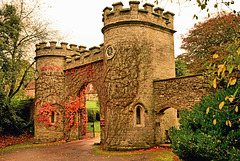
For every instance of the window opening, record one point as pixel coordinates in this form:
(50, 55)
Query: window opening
(138, 113)
(52, 118)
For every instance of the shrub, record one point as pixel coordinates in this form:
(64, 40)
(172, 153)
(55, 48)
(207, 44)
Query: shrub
(93, 115)
(21, 112)
(199, 139)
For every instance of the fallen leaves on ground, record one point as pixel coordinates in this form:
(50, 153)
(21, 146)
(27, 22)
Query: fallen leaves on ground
(7, 140)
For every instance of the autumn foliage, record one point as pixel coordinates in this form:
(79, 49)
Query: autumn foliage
(75, 111)
(7, 140)
(208, 38)
(44, 113)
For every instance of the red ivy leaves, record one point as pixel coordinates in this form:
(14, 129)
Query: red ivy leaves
(71, 113)
(73, 108)
(88, 70)
(44, 113)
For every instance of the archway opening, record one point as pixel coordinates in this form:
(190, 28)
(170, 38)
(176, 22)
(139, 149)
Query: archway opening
(90, 115)
(166, 119)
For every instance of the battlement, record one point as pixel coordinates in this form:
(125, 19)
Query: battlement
(74, 55)
(147, 15)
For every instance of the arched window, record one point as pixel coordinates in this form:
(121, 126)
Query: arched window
(138, 115)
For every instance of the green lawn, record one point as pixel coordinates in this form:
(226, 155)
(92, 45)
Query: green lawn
(93, 110)
(28, 144)
(92, 105)
(161, 155)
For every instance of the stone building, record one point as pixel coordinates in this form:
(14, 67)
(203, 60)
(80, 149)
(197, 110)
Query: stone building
(133, 72)
(91, 93)
(30, 89)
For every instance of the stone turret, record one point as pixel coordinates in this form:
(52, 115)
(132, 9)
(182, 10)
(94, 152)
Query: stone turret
(50, 62)
(150, 31)
(148, 23)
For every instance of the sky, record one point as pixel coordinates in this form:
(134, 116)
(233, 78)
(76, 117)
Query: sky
(80, 21)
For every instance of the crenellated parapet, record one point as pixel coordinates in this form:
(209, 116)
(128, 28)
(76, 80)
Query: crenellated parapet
(74, 55)
(148, 15)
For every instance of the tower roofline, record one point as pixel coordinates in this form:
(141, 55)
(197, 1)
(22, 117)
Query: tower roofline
(147, 15)
(137, 22)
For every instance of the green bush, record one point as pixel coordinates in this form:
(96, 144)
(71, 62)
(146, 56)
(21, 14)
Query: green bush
(199, 139)
(90, 114)
(20, 119)
(93, 115)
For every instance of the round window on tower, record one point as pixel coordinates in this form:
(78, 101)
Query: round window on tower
(36, 74)
(110, 52)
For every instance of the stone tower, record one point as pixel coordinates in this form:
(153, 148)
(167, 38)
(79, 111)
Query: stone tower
(148, 24)
(49, 76)
(150, 32)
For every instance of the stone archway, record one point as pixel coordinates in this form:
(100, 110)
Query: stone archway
(77, 80)
(89, 115)
(166, 118)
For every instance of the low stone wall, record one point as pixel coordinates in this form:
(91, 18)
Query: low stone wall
(180, 93)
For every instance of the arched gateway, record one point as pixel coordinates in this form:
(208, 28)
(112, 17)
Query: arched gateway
(138, 49)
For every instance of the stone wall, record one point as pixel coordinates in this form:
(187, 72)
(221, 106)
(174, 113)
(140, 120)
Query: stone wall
(172, 95)
(180, 93)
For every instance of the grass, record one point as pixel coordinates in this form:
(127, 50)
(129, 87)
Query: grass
(163, 155)
(160, 155)
(28, 144)
(92, 105)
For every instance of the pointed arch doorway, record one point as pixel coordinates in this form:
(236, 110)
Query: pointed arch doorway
(89, 116)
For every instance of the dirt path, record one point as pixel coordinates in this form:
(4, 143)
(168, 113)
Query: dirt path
(79, 150)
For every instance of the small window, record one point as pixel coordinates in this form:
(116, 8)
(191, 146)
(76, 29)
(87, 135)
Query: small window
(53, 118)
(138, 115)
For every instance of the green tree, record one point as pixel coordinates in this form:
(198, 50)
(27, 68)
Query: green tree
(181, 68)
(19, 29)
